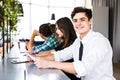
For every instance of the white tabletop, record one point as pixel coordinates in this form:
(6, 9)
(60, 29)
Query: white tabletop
(26, 71)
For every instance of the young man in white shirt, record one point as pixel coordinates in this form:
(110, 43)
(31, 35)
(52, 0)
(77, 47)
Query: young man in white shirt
(96, 62)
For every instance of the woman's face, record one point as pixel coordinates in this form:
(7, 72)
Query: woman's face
(59, 33)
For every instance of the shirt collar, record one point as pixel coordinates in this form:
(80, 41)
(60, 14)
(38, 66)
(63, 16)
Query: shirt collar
(87, 37)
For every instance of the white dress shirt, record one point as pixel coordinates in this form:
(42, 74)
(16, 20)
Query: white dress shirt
(96, 61)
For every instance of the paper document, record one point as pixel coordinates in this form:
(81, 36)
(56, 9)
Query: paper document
(33, 58)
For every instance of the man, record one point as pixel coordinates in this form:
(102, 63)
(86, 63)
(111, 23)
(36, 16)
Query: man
(46, 31)
(96, 61)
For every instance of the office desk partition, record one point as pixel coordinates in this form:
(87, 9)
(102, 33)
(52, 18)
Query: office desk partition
(28, 71)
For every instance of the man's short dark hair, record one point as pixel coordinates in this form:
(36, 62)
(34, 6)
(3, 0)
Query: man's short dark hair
(88, 12)
(45, 30)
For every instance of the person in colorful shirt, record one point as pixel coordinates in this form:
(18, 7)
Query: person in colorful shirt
(46, 31)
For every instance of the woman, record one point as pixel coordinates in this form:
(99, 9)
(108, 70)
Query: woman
(64, 30)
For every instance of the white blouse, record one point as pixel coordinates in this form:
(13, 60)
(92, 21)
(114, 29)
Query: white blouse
(96, 61)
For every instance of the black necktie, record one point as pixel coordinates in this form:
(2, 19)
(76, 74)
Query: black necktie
(80, 51)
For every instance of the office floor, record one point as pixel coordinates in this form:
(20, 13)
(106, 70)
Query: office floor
(116, 70)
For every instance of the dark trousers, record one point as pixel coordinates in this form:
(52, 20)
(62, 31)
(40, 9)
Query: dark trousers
(72, 76)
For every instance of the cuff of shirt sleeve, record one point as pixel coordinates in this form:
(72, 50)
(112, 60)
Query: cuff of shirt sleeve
(33, 48)
(55, 56)
(79, 68)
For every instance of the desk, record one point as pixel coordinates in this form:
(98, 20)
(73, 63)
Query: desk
(28, 71)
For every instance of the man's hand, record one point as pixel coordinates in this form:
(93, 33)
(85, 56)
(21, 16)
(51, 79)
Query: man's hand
(42, 63)
(36, 33)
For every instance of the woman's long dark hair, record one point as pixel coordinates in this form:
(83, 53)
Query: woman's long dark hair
(66, 27)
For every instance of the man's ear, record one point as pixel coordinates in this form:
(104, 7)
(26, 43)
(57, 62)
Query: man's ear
(90, 21)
